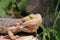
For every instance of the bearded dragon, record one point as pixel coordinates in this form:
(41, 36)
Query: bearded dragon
(28, 24)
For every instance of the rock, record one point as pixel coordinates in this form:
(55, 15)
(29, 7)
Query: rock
(3, 38)
(20, 38)
(27, 38)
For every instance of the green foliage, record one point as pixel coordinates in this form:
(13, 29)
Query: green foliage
(22, 4)
(13, 3)
(2, 13)
(51, 31)
(3, 4)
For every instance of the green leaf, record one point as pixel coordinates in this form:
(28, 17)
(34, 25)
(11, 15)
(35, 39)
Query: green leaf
(3, 5)
(13, 1)
(13, 5)
(22, 4)
(2, 13)
(48, 34)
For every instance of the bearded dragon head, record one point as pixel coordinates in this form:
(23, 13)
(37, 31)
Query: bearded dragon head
(32, 21)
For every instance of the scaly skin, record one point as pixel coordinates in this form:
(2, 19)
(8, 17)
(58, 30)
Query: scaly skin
(27, 24)
(32, 22)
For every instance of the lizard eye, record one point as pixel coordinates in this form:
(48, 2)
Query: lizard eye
(31, 17)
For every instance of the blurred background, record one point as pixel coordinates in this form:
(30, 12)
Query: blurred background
(49, 10)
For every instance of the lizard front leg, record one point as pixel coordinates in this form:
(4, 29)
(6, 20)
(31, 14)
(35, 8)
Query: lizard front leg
(11, 32)
(11, 35)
